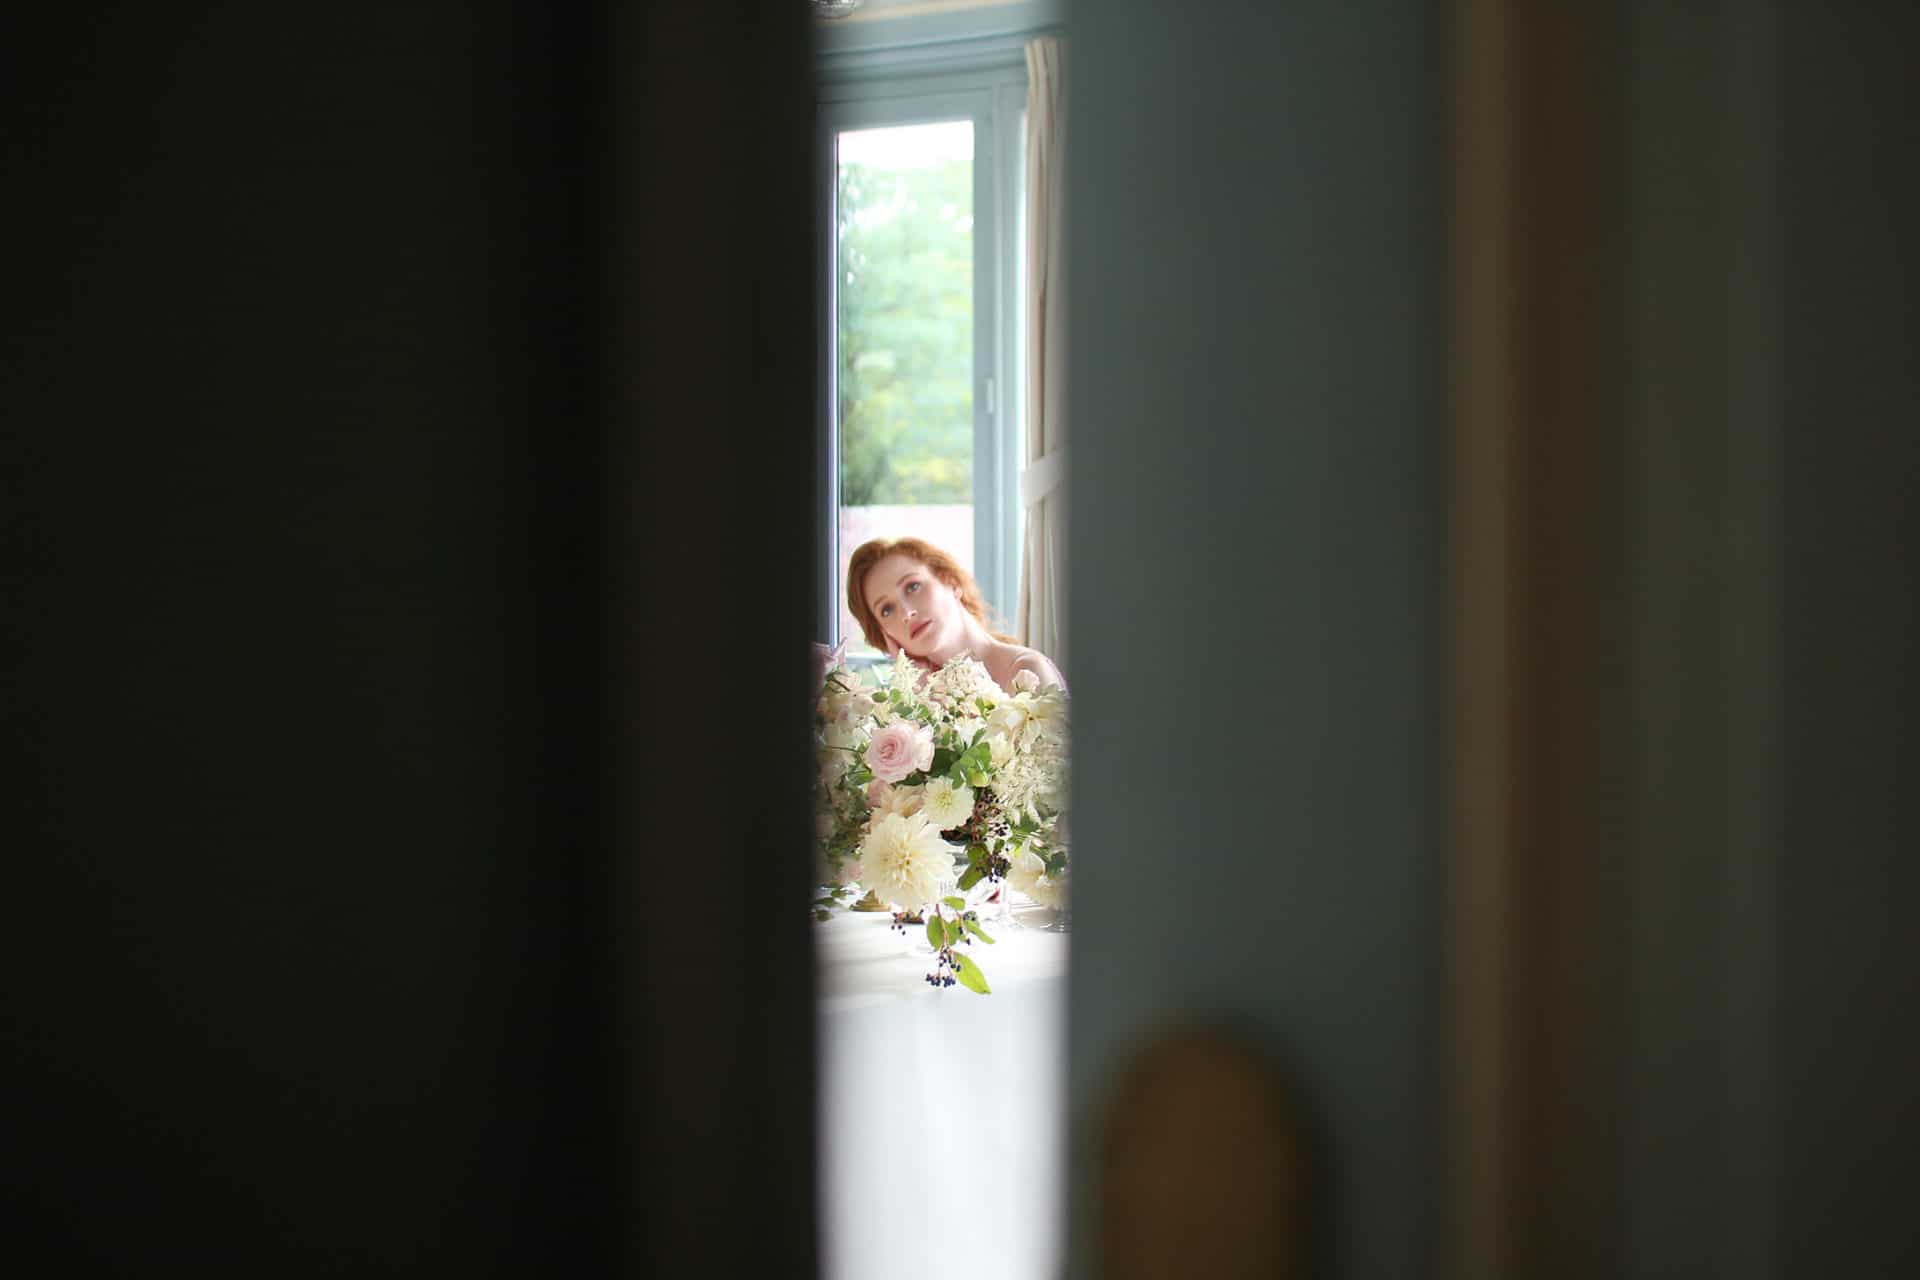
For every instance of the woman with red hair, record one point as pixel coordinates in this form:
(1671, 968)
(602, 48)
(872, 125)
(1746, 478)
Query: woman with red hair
(911, 597)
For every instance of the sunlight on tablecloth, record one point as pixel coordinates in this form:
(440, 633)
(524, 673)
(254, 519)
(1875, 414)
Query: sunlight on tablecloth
(942, 1115)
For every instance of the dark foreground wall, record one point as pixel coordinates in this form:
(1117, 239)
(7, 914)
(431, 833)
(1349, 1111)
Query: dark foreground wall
(318, 428)
(1771, 1112)
(1849, 971)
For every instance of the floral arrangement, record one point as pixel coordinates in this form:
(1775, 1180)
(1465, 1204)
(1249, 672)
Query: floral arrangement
(933, 785)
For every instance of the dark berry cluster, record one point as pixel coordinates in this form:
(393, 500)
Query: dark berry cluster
(943, 969)
(901, 919)
(945, 966)
(986, 823)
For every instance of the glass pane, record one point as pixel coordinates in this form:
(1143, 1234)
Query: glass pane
(905, 341)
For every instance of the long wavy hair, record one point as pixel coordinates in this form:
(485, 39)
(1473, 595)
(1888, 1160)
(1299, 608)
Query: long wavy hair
(938, 563)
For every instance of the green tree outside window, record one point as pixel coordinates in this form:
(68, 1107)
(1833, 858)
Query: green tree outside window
(905, 239)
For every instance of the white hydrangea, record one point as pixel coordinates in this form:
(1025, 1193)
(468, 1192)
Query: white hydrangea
(905, 862)
(1032, 779)
(1020, 784)
(962, 682)
(905, 674)
(842, 743)
(842, 701)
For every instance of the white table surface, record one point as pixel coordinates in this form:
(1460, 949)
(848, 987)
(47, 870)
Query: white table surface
(942, 1112)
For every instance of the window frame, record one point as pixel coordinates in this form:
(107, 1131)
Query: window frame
(985, 81)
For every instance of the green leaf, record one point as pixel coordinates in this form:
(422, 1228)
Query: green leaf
(970, 976)
(822, 914)
(957, 903)
(973, 876)
(975, 930)
(936, 931)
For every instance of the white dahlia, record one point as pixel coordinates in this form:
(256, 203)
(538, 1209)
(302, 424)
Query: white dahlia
(945, 805)
(905, 862)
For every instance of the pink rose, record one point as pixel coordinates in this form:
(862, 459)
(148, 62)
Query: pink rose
(899, 749)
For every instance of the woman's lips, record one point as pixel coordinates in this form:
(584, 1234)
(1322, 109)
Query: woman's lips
(918, 628)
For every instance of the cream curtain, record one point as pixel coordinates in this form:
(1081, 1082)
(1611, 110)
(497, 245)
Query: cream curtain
(1042, 492)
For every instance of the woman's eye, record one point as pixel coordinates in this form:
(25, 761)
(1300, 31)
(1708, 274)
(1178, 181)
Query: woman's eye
(886, 611)
(912, 587)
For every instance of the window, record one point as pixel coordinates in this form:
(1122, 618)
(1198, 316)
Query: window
(923, 171)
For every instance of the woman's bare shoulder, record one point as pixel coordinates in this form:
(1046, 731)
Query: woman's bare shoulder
(1009, 660)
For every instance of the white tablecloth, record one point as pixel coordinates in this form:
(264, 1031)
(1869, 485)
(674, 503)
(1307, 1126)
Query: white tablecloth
(942, 1112)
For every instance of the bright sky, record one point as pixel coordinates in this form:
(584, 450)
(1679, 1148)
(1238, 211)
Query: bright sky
(911, 146)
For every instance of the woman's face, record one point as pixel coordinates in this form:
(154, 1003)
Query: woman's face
(918, 612)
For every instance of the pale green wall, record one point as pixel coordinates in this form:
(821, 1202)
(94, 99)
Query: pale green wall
(1253, 245)
(1255, 548)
